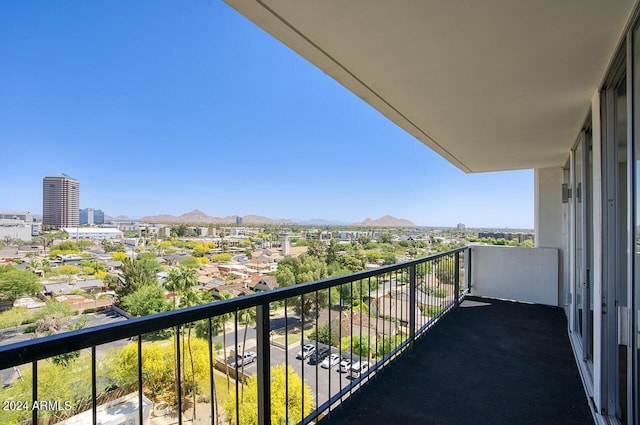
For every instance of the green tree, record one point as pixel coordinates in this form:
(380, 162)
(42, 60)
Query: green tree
(285, 276)
(356, 344)
(373, 256)
(316, 249)
(15, 283)
(221, 258)
(282, 378)
(351, 263)
(146, 300)
(95, 265)
(527, 243)
(305, 268)
(158, 367)
(247, 316)
(332, 251)
(136, 274)
(179, 231)
(70, 382)
(387, 344)
(389, 259)
(66, 246)
(222, 321)
(445, 270)
(190, 262)
(68, 270)
(118, 256)
(324, 334)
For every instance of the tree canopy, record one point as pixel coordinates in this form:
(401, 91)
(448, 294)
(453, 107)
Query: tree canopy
(14, 283)
(281, 401)
(136, 274)
(148, 299)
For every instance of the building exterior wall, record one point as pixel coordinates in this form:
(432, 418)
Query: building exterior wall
(98, 217)
(86, 216)
(15, 230)
(17, 215)
(93, 233)
(60, 201)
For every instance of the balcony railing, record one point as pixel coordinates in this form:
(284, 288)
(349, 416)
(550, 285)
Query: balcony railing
(366, 319)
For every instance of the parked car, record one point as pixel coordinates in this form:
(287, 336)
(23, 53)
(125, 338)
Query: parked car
(319, 355)
(306, 351)
(345, 365)
(330, 361)
(357, 369)
(240, 359)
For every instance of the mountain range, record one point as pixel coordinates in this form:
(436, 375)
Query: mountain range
(198, 217)
(385, 221)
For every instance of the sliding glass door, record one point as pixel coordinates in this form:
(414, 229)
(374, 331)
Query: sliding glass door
(615, 248)
(581, 201)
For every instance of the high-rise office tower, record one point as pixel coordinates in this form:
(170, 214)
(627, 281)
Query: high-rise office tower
(91, 216)
(60, 201)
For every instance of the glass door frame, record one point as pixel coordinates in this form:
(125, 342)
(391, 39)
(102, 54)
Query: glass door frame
(582, 236)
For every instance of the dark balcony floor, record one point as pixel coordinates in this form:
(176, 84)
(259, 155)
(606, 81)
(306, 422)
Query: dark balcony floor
(488, 362)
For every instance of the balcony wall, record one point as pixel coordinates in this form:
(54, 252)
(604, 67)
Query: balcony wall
(513, 273)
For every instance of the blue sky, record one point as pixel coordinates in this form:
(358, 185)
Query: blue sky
(168, 106)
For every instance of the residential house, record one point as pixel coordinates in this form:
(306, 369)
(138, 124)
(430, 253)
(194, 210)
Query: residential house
(264, 283)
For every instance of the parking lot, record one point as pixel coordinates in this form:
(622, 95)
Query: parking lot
(323, 382)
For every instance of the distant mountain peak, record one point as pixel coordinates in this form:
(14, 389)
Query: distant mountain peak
(386, 221)
(198, 217)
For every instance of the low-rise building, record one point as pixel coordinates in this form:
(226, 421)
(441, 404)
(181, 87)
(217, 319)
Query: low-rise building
(16, 230)
(62, 288)
(18, 225)
(93, 233)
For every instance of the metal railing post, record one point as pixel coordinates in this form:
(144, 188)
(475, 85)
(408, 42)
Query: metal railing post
(264, 362)
(178, 375)
(140, 393)
(467, 269)
(412, 305)
(34, 391)
(456, 279)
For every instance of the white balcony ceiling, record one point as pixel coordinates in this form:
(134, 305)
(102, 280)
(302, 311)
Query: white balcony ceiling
(489, 85)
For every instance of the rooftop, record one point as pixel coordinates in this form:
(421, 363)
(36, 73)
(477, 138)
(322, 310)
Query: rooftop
(60, 176)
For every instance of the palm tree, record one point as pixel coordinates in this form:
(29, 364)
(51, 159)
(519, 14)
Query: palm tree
(181, 281)
(222, 320)
(247, 316)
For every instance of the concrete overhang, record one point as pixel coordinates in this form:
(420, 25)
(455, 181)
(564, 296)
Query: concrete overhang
(489, 85)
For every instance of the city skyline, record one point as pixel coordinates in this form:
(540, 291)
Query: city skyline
(162, 109)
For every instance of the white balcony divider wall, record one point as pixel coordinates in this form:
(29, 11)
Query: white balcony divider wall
(599, 281)
(523, 274)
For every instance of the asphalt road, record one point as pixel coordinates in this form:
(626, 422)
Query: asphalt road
(323, 382)
(93, 319)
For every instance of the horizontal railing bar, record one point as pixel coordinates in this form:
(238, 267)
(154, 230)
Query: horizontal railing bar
(40, 348)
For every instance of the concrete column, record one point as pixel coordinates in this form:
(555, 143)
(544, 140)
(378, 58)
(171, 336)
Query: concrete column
(548, 215)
